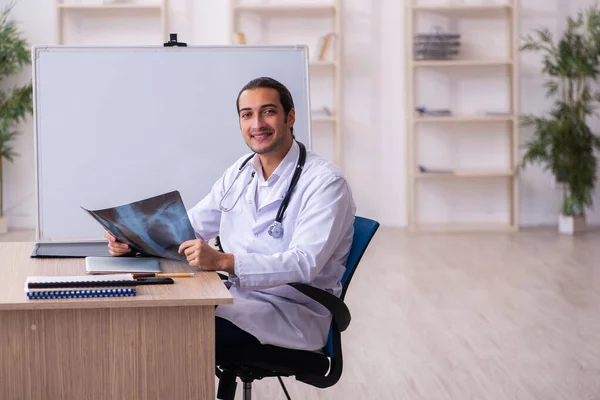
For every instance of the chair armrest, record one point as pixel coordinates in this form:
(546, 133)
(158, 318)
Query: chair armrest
(222, 276)
(337, 308)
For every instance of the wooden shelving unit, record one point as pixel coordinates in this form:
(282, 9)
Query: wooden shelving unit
(69, 6)
(286, 8)
(324, 118)
(324, 64)
(462, 8)
(461, 63)
(465, 118)
(467, 174)
(330, 9)
(109, 6)
(509, 62)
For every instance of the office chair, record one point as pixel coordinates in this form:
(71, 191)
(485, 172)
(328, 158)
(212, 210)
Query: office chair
(321, 370)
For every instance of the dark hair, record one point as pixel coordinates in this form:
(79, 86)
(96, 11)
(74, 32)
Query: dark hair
(285, 97)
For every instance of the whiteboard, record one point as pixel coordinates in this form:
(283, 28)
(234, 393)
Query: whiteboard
(115, 125)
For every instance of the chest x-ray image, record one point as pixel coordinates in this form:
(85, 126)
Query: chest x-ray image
(155, 226)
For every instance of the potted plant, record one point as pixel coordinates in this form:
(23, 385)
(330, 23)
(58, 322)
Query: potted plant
(15, 102)
(563, 141)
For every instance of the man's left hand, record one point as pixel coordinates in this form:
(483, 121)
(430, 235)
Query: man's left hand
(200, 254)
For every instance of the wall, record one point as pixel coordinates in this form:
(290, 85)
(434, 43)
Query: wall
(374, 108)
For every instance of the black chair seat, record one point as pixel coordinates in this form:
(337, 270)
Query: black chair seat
(319, 370)
(260, 361)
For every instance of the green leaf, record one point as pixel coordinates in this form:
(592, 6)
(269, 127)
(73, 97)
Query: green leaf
(16, 103)
(551, 88)
(7, 135)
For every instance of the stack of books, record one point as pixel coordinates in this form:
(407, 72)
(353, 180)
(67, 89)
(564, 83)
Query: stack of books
(63, 287)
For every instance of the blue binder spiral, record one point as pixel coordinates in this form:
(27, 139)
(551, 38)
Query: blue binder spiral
(64, 294)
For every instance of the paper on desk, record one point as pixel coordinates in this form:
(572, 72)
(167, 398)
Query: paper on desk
(155, 226)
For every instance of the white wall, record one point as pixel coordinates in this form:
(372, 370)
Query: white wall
(374, 129)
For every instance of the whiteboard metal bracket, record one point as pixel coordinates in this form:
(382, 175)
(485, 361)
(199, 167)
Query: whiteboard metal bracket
(173, 41)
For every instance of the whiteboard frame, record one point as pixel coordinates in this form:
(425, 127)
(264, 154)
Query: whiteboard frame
(37, 49)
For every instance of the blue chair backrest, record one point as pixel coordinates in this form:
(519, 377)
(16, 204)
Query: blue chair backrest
(364, 230)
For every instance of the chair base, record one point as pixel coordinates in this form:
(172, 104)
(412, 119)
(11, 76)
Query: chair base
(247, 394)
(228, 386)
(287, 395)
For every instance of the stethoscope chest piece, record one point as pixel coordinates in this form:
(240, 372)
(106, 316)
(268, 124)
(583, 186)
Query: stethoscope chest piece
(276, 230)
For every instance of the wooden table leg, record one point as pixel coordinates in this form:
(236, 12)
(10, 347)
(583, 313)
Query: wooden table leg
(116, 353)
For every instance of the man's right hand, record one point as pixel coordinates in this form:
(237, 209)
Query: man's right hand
(116, 248)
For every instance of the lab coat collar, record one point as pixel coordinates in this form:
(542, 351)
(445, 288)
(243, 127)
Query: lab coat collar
(288, 162)
(279, 179)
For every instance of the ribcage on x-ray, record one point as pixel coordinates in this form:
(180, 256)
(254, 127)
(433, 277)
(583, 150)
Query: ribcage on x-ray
(155, 226)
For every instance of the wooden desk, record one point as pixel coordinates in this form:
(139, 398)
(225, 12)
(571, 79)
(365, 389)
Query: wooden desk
(156, 345)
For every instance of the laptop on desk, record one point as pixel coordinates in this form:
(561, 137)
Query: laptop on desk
(114, 265)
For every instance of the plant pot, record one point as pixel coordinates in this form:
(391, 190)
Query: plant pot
(3, 225)
(568, 225)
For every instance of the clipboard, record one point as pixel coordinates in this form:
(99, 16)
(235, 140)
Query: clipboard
(70, 250)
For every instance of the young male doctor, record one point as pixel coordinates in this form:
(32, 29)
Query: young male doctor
(307, 242)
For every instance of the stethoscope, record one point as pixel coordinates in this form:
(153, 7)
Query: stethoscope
(276, 228)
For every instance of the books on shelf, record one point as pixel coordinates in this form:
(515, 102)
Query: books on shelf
(321, 112)
(425, 170)
(327, 47)
(424, 111)
(78, 286)
(239, 38)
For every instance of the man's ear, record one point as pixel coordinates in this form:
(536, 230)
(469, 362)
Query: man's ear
(291, 119)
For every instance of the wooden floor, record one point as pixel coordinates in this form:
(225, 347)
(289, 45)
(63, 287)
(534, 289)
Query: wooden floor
(469, 316)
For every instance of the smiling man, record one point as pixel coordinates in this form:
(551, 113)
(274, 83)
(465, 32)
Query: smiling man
(269, 237)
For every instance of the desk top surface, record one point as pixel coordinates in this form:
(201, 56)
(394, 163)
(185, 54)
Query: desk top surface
(16, 264)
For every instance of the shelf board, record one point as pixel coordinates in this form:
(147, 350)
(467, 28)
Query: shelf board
(448, 8)
(465, 118)
(325, 63)
(465, 174)
(285, 8)
(140, 6)
(324, 118)
(461, 63)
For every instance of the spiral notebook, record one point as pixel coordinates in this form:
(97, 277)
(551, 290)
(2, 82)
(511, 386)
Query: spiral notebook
(62, 287)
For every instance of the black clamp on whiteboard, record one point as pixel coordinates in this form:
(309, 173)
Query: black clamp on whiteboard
(173, 41)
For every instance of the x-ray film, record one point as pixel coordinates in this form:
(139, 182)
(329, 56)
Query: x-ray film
(154, 227)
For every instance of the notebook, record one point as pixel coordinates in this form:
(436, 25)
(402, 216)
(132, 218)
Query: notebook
(61, 287)
(111, 265)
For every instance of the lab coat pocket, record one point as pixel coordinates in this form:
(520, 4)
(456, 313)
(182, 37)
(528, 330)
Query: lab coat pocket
(288, 294)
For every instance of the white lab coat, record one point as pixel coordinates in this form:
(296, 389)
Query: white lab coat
(318, 230)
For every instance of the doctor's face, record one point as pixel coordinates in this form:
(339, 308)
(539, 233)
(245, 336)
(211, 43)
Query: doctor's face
(264, 125)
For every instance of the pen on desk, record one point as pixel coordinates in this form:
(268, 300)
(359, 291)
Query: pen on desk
(165, 275)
